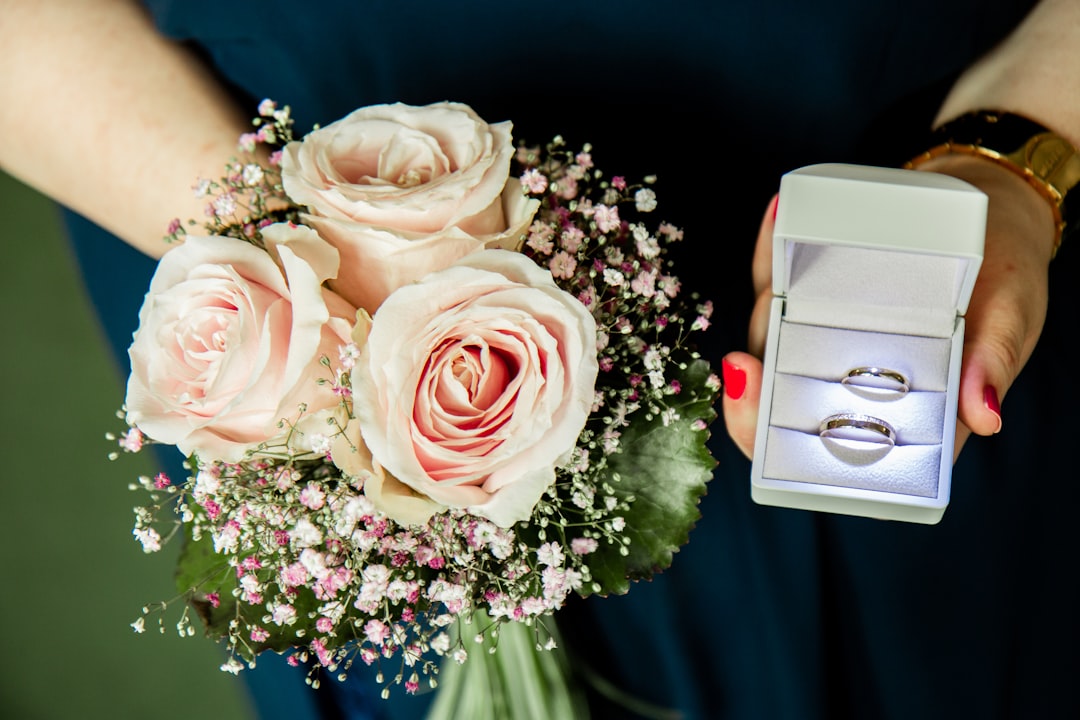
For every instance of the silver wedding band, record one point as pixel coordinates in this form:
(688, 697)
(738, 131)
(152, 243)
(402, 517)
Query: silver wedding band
(877, 378)
(855, 426)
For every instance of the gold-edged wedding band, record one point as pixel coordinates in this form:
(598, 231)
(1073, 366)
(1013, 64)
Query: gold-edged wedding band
(856, 426)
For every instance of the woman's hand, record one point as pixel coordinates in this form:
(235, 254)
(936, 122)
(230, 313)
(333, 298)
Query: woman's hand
(1026, 74)
(1004, 319)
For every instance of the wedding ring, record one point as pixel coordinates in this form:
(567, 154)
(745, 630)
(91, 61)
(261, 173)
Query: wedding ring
(855, 426)
(876, 378)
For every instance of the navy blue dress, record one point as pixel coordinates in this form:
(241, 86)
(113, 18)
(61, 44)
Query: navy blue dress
(767, 613)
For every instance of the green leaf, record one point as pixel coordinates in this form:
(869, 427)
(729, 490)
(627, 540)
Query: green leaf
(664, 470)
(201, 571)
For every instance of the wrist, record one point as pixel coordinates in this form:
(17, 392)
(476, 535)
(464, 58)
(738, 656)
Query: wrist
(1015, 209)
(1045, 161)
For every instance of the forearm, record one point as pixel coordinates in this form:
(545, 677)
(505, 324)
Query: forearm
(1035, 72)
(107, 117)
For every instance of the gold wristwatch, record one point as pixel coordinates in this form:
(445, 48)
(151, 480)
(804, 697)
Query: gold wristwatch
(1048, 162)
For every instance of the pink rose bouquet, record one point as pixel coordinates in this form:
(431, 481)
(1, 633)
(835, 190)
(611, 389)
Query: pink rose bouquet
(426, 382)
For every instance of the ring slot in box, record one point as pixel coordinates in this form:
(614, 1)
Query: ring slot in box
(872, 272)
(917, 417)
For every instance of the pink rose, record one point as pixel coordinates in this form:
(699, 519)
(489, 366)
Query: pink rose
(476, 382)
(403, 191)
(230, 338)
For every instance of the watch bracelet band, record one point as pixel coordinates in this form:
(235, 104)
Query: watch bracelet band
(1046, 161)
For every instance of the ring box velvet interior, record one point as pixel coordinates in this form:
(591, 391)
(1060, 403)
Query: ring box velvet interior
(872, 267)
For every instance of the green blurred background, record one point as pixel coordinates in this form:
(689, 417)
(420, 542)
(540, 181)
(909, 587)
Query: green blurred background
(73, 577)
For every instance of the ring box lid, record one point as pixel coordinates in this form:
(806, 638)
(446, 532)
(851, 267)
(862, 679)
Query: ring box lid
(877, 249)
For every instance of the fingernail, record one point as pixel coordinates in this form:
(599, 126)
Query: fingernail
(990, 399)
(734, 380)
(775, 206)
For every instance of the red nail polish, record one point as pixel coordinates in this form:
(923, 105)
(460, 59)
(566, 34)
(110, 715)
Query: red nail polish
(775, 206)
(734, 380)
(990, 399)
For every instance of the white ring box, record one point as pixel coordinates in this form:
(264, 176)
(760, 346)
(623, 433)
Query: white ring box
(871, 267)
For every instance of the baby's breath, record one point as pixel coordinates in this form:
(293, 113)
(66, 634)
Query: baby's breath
(249, 196)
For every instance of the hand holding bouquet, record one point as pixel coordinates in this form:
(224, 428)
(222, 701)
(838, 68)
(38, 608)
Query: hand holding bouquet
(419, 392)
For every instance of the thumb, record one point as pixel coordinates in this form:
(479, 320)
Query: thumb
(993, 355)
(1008, 308)
(742, 391)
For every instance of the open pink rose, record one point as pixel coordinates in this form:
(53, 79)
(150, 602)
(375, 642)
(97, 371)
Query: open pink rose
(476, 382)
(230, 338)
(402, 191)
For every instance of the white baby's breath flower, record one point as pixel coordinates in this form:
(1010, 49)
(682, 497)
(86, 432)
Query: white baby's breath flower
(206, 483)
(607, 218)
(253, 174)
(306, 534)
(645, 200)
(613, 277)
(320, 443)
(227, 539)
(583, 546)
(550, 554)
(151, 541)
(233, 666)
(282, 614)
(440, 643)
(225, 205)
